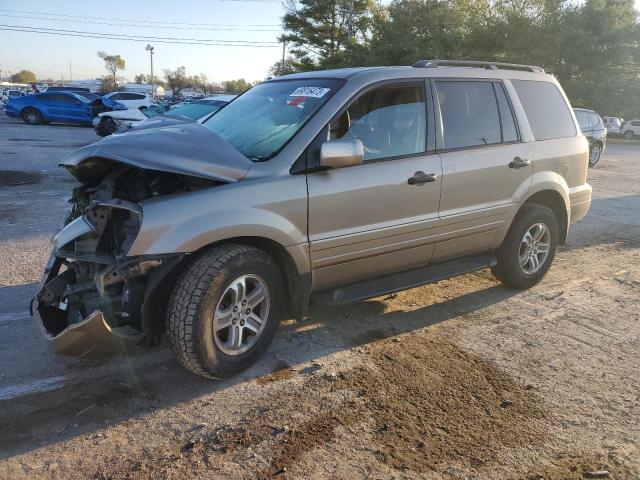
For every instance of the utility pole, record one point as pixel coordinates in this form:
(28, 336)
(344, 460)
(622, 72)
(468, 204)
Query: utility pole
(149, 48)
(284, 46)
(70, 76)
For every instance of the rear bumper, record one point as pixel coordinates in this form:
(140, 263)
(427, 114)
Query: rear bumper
(580, 201)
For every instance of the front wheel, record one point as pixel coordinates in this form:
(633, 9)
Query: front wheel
(31, 116)
(594, 154)
(628, 135)
(224, 310)
(529, 247)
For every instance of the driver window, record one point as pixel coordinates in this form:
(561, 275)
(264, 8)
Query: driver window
(390, 121)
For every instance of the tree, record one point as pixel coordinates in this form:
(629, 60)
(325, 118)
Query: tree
(238, 86)
(318, 31)
(23, 76)
(108, 84)
(278, 69)
(176, 80)
(140, 78)
(112, 63)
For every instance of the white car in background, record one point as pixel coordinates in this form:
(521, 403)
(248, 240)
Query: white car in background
(131, 99)
(631, 129)
(107, 123)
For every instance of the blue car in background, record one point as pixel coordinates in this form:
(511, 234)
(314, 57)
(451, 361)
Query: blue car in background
(64, 107)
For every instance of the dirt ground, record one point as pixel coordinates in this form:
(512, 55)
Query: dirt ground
(463, 379)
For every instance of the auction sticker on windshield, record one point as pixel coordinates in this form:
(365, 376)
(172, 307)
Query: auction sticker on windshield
(314, 92)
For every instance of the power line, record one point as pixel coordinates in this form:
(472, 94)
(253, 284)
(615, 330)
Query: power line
(146, 21)
(230, 43)
(141, 37)
(221, 28)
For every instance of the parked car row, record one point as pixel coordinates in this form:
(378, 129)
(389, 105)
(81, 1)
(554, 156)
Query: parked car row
(59, 106)
(110, 122)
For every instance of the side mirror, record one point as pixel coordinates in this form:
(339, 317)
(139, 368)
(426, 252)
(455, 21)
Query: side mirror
(341, 153)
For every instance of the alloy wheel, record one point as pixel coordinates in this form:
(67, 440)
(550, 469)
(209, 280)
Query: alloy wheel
(241, 314)
(595, 154)
(534, 248)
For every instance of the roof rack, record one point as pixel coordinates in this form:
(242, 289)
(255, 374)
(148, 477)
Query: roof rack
(479, 64)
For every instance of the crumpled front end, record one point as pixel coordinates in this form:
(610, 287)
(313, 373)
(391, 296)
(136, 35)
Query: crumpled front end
(94, 300)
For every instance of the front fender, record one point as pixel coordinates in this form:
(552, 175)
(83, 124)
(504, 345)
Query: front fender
(275, 209)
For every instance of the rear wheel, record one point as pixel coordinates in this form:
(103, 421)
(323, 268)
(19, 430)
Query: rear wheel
(225, 310)
(529, 247)
(31, 116)
(594, 154)
(628, 135)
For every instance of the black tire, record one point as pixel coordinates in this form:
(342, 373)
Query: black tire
(32, 116)
(508, 269)
(197, 293)
(106, 126)
(594, 154)
(628, 135)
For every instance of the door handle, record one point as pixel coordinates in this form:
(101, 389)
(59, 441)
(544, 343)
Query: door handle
(519, 163)
(420, 177)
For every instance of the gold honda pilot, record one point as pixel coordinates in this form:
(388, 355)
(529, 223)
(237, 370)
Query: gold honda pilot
(330, 186)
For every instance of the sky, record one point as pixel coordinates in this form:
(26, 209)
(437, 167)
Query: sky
(212, 21)
(208, 21)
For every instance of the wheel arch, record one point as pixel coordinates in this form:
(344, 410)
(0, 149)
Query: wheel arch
(553, 200)
(297, 283)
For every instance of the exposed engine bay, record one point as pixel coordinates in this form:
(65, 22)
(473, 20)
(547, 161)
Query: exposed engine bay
(94, 299)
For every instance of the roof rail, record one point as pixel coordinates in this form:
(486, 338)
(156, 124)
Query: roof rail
(479, 64)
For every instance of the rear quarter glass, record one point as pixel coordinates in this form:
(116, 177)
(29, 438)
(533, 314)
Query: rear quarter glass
(548, 113)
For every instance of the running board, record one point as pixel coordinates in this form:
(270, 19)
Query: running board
(404, 280)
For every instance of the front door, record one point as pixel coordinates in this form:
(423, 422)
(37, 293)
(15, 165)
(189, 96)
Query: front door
(485, 166)
(371, 219)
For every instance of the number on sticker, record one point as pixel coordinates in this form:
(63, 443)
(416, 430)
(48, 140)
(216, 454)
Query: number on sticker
(315, 92)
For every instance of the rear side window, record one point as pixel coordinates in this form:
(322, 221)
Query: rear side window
(583, 118)
(469, 113)
(546, 109)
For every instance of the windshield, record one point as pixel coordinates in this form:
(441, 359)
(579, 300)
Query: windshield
(193, 111)
(260, 122)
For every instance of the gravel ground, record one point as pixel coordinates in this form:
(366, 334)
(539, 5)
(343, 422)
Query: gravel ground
(460, 379)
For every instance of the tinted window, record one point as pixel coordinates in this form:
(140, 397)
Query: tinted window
(583, 118)
(469, 114)
(390, 121)
(635, 124)
(509, 129)
(546, 109)
(594, 119)
(60, 98)
(131, 96)
(115, 96)
(194, 111)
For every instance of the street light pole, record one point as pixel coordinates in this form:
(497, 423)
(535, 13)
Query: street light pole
(149, 48)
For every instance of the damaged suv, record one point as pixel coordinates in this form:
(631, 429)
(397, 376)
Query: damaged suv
(326, 187)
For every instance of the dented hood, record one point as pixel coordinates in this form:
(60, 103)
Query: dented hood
(188, 149)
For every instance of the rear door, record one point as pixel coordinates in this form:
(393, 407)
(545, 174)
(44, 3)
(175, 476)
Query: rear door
(485, 165)
(369, 220)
